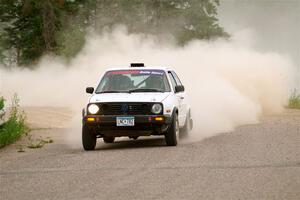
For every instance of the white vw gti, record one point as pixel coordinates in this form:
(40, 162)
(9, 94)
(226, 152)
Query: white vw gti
(136, 101)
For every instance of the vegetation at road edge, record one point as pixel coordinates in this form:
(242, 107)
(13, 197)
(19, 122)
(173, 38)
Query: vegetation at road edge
(39, 143)
(1, 103)
(294, 101)
(15, 126)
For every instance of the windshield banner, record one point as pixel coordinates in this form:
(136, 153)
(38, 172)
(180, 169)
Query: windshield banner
(154, 72)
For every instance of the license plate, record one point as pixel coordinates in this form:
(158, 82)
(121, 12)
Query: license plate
(125, 121)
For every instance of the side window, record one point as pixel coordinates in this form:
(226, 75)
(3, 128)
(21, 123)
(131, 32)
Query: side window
(173, 82)
(178, 82)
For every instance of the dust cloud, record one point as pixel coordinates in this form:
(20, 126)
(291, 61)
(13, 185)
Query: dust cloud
(228, 82)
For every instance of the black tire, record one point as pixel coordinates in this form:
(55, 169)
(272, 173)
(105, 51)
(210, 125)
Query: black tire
(172, 134)
(89, 138)
(108, 139)
(188, 126)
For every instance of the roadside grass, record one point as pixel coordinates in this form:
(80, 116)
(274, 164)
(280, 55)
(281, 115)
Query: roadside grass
(15, 126)
(1, 103)
(294, 101)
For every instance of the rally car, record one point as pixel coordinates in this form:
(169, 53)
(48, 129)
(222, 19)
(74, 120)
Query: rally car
(136, 101)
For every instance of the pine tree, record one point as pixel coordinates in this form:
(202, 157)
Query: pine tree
(184, 19)
(30, 28)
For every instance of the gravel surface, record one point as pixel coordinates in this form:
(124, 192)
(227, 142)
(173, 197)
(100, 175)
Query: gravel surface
(254, 162)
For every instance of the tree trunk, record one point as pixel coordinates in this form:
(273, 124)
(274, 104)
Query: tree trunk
(49, 19)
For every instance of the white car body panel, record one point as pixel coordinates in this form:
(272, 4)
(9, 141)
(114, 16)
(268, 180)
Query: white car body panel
(129, 97)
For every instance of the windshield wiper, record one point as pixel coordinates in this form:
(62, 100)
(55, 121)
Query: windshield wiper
(112, 91)
(145, 90)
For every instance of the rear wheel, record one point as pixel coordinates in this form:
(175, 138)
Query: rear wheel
(89, 138)
(172, 134)
(108, 139)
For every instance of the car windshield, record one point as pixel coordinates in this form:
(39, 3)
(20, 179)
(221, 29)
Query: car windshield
(134, 81)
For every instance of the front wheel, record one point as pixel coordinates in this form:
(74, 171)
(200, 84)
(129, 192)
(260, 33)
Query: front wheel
(172, 134)
(89, 138)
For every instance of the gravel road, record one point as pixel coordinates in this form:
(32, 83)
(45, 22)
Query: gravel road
(259, 161)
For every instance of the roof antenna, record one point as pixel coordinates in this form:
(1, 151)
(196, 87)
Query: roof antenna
(137, 65)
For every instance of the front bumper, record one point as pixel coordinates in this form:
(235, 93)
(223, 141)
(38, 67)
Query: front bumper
(105, 125)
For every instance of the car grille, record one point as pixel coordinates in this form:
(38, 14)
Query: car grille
(125, 108)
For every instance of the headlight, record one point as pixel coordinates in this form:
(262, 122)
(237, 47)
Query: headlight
(156, 108)
(93, 109)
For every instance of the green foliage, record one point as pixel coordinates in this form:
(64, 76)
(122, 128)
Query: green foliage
(294, 101)
(31, 28)
(72, 39)
(183, 19)
(15, 127)
(1, 103)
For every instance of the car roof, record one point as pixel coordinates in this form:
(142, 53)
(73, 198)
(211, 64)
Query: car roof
(139, 68)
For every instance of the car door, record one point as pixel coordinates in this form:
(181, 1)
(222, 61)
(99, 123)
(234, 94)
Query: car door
(180, 96)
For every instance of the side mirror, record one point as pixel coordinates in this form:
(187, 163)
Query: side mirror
(179, 88)
(89, 90)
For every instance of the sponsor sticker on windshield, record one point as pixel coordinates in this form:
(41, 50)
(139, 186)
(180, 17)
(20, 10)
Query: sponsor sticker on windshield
(146, 72)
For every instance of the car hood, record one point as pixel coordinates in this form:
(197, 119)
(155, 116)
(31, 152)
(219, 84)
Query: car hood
(129, 97)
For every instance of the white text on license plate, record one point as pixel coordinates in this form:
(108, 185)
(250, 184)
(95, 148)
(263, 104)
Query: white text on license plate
(125, 121)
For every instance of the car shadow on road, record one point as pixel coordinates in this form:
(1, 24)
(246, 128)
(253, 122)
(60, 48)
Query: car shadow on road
(131, 144)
